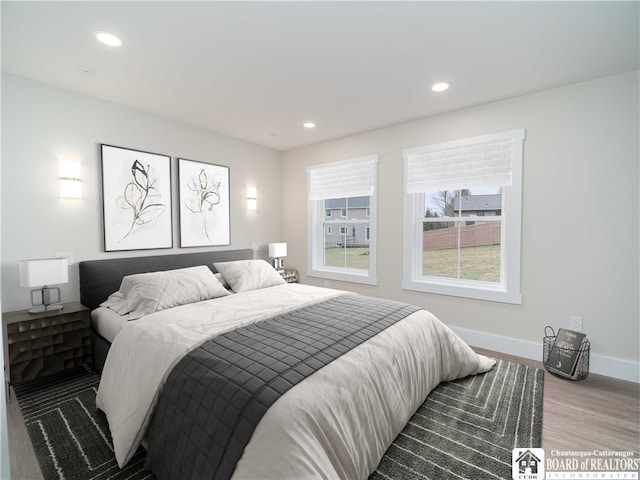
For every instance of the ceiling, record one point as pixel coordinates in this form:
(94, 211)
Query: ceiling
(258, 70)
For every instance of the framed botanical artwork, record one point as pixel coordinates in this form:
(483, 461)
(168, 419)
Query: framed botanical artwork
(204, 204)
(136, 197)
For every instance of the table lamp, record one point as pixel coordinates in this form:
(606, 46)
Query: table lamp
(277, 251)
(42, 273)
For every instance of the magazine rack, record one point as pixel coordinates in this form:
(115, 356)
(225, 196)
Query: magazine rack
(582, 366)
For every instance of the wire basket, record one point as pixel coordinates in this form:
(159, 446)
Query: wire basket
(581, 370)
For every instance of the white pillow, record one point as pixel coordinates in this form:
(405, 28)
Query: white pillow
(151, 292)
(117, 302)
(245, 275)
(221, 279)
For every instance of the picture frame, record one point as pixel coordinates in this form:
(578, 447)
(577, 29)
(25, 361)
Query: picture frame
(204, 194)
(136, 199)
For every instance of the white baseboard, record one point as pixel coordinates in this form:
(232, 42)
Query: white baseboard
(609, 366)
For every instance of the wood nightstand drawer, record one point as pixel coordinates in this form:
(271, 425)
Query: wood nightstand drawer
(290, 276)
(47, 342)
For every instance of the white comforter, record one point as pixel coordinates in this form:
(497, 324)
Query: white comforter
(335, 424)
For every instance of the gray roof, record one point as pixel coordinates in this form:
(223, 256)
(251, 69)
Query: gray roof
(354, 202)
(478, 202)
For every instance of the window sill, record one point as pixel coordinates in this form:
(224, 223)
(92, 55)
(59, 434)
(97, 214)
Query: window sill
(466, 290)
(353, 276)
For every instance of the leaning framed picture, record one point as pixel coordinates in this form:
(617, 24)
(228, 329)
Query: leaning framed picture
(136, 199)
(204, 204)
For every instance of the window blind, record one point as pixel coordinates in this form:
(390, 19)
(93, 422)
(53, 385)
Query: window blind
(473, 162)
(350, 178)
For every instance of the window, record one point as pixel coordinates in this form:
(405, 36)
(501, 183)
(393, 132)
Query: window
(327, 213)
(463, 217)
(347, 252)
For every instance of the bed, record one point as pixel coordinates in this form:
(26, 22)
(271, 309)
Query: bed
(176, 380)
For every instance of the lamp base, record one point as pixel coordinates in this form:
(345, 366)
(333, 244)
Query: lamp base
(278, 264)
(46, 309)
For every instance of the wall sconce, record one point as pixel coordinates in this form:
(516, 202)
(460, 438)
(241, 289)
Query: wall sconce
(252, 200)
(70, 182)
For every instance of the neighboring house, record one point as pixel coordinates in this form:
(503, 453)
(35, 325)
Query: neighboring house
(472, 233)
(338, 231)
(478, 205)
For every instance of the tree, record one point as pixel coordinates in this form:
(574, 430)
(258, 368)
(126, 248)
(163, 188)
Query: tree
(444, 200)
(427, 226)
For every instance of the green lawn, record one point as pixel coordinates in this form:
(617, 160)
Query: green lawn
(355, 257)
(476, 263)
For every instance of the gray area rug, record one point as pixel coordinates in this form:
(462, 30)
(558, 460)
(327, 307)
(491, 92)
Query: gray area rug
(465, 429)
(69, 434)
(468, 428)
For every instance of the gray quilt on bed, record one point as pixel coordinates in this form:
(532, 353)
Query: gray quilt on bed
(216, 395)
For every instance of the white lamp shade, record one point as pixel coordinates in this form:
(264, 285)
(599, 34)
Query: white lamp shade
(277, 249)
(46, 271)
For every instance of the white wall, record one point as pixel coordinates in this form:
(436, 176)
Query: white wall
(5, 460)
(43, 124)
(580, 220)
(580, 223)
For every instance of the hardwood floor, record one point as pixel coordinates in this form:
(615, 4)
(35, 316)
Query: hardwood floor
(24, 465)
(598, 413)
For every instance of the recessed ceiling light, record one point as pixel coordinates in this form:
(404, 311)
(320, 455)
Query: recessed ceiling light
(309, 125)
(440, 86)
(108, 39)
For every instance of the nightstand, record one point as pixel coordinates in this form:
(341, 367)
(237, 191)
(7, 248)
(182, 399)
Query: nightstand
(290, 276)
(37, 344)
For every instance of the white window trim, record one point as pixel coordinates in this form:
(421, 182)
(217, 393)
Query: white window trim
(509, 291)
(315, 266)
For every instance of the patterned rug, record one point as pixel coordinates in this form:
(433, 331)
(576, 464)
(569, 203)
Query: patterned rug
(465, 429)
(468, 428)
(69, 434)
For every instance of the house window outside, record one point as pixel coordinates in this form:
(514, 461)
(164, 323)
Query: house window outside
(347, 252)
(349, 248)
(327, 213)
(463, 239)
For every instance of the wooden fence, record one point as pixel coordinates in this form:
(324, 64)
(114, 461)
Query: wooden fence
(470, 236)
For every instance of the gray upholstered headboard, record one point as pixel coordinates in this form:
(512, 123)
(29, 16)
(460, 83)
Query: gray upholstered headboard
(100, 278)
